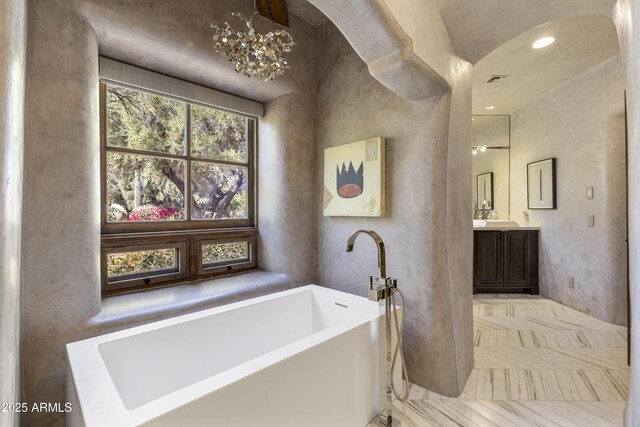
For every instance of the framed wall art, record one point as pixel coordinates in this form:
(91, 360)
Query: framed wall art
(354, 179)
(541, 184)
(484, 190)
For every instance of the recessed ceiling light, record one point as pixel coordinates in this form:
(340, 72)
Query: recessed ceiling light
(483, 148)
(490, 107)
(543, 42)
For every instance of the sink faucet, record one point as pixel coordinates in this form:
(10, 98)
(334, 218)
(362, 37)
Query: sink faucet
(484, 210)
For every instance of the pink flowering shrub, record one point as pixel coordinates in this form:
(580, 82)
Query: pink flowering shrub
(154, 213)
(146, 260)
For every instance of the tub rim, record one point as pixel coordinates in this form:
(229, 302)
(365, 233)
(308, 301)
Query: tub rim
(101, 404)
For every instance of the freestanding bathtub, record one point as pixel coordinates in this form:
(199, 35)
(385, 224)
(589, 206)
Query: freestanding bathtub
(308, 357)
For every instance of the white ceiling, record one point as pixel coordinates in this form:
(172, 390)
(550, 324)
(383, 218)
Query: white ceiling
(581, 44)
(307, 12)
(477, 27)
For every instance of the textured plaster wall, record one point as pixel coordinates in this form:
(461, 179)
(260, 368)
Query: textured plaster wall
(12, 98)
(61, 239)
(626, 16)
(430, 41)
(352, 106)
(285, 193)
(61, 230)
(384, 45)
(581, 124)
(422, 23)
(174, 37)
(459, 230)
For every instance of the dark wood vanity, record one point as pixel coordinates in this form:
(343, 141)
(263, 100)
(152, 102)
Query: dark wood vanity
(505, 261)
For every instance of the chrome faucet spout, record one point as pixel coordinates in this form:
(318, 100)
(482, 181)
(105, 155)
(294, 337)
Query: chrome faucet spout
(382, 265)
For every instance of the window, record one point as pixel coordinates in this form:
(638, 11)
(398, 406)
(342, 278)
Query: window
(178, 190)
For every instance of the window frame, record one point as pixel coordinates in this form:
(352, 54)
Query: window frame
(145, 280)
(186, 235)
(235, 265)
(187, 224)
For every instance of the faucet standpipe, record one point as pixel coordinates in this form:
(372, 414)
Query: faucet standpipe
(383, 288)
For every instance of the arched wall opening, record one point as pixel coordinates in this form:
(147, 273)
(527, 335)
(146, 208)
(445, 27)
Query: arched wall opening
(564, 101)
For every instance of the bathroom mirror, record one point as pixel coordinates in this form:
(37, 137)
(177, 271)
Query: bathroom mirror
(490, 148)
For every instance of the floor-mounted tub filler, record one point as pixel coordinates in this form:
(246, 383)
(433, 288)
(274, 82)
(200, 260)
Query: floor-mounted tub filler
(310, 356)
(383, 289)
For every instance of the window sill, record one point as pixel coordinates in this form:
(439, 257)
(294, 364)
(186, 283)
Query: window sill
(156, 304)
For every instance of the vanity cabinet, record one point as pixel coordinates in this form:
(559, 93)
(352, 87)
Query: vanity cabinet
(505, 261)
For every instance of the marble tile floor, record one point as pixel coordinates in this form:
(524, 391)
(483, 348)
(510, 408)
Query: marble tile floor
(537, 363)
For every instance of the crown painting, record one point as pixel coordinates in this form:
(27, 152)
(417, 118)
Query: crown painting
(354, 179)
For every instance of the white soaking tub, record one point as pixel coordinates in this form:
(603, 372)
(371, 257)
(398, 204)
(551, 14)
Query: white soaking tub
(308, 357)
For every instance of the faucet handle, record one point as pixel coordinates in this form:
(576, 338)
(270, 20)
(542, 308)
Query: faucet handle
(368, 282)
(391, 283)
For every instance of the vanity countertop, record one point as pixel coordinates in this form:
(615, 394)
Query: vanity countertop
(504, 228)
(499, 224)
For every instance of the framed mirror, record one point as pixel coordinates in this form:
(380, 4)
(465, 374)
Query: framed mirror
(484, 190)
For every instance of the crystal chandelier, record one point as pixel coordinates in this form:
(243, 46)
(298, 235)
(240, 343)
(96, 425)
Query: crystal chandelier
(254, 54)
